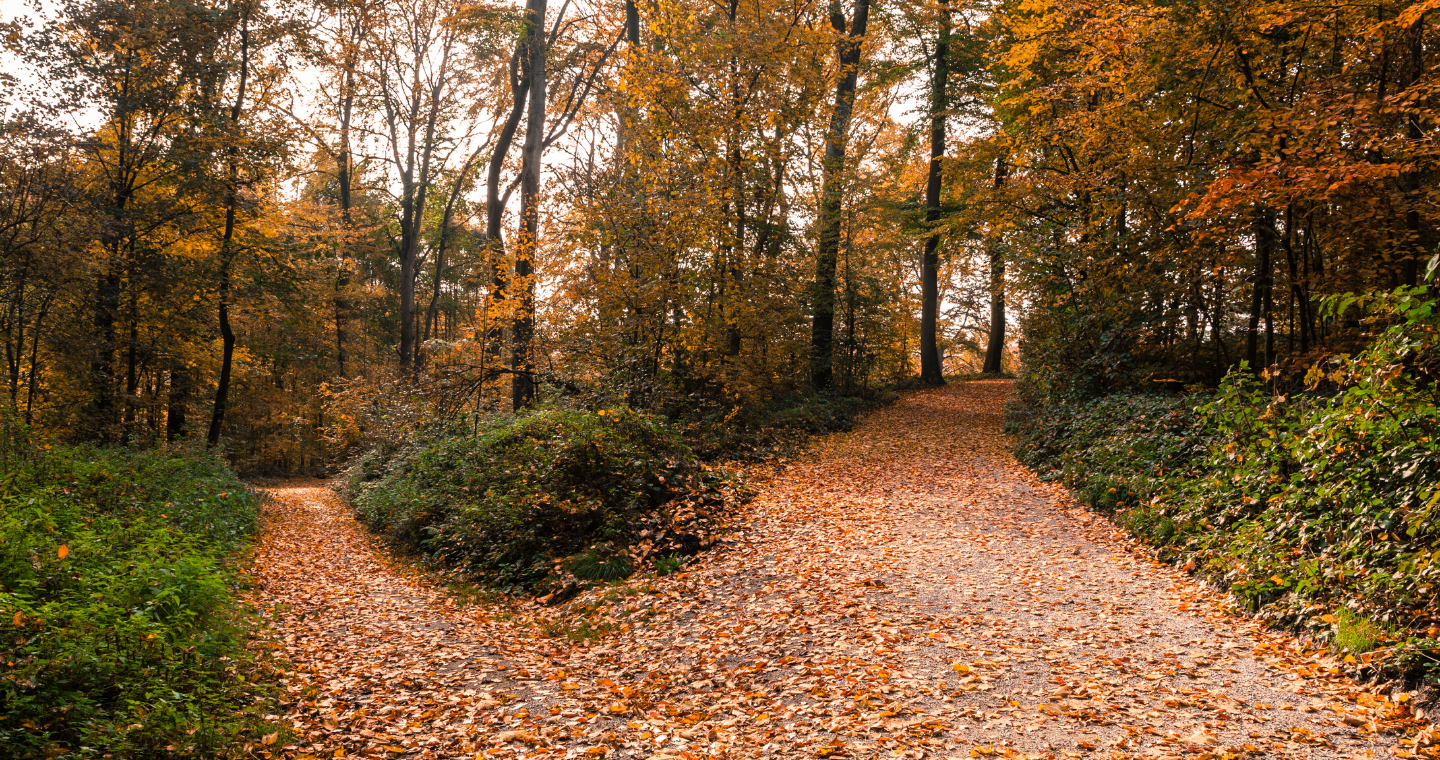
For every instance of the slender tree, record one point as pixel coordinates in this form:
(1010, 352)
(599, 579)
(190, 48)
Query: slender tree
(932, 372)
(523, 326)
(995, 347)
(850, 39)
(227, 237)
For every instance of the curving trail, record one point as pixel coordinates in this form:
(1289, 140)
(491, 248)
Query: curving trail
(906, 589)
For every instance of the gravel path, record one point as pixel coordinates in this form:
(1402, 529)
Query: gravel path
(906, 589)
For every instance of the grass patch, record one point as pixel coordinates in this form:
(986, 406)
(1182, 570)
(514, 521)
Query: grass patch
(1357, 634)
(576, 629)
(669, 565)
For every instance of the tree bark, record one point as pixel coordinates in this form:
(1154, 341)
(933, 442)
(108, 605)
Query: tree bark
(34, 377)
(1410, 180)
(1298, 293)
(1260, 301)
(344, 177)
(995, 350)
(494, 206)
(632, 24)
(432, 311)
(417, 193)
(932, 371)
(522, 389)
(848, 49)
(227, 244)
(178, 401)
(132, 370)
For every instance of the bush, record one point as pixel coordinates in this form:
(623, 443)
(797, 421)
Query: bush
(763, 431)
(1317, 508)
(125, 639)
(589, 494)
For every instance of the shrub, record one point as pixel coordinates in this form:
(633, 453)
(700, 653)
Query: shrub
(1316, 508)
(594, 494)
(124, 637)
(762, 431)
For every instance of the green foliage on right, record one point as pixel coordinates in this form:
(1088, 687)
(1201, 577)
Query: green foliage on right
(120, 634)
(524, 498)
(1303, 505)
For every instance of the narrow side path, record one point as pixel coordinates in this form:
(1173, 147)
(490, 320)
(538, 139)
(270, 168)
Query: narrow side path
(906, 589)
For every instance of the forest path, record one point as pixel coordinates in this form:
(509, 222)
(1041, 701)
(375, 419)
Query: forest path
(906, 589)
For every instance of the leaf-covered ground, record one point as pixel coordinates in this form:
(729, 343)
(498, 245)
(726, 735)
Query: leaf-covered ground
(903, 590)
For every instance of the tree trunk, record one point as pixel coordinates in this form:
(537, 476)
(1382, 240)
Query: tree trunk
(1260, 302)
(932, 371)
(34, 377)
(409, 245)
(132, 369)
(995, 349)
(494, 205)
(1298, 294)
(1410, 180)
(100, 414)
(227, 245)
(522, 388)
(227, 354)
(15, 333)
(432, 312)
(417, 194)
(344, 178)
(632, 24)
(848, 49)
(177, 402)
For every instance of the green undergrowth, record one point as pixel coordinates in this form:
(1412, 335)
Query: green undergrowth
(546, 501)
(1315, 508)
(120, 631)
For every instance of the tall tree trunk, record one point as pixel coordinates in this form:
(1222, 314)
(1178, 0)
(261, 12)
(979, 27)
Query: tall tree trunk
(522, 388)
(132, 370)
(227, 354)
(432, 312)
(34, 377)
(732, 252)
(632, 24)
(415, 180)
(932, 371)
(847, 49)
(1298, 294)
(417, 194)
(178, 401)
(344, 176)
(1260, 301)
(494, 204)
(15, 333)
(227, 244)
(101, 412)
(995, 349)
(1410, 180)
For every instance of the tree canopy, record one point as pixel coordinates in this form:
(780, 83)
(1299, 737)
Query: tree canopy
(274, 225)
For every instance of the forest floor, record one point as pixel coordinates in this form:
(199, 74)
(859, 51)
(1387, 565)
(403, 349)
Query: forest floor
(906, 589)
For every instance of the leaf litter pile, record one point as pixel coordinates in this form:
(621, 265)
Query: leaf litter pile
(904, 590)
